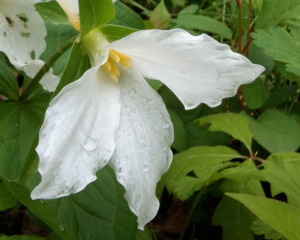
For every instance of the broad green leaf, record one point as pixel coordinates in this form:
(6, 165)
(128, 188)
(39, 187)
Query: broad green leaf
(19, 125)
(52, 12)
(282, 217)
(127, 17)
(160, 17)
(204, 162)
(280, 94)
(99, 212)
(257, 56)
(77, 64)
(276, 131)
(240, 217)
(203, 23)
(282, 171)
(243, 172)
(143, 235)
(38, 207)
(7, 200)
(281, 46)
(275, 11)
(179, 143)
(255, 94)
(281, 67)
(113, 32)
(8, 83)
(58, 35)
(94, 14)
(20, 237)
(258, 227)
(232, 123)
(190, 9)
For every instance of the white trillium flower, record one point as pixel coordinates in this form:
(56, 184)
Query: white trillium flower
(112, 116)
(22, 38)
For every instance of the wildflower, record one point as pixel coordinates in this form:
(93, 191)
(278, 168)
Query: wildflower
(112, 116)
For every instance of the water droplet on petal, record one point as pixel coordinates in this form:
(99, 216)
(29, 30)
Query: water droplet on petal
(90, 144)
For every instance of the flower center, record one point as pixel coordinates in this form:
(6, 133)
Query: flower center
(111, 67)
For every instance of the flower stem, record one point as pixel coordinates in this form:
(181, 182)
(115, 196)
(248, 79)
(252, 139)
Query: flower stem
(27, 91)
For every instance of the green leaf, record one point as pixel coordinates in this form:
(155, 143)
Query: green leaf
(255, 94)
(19, 126)
(232, 123)
(275, 11)
(240, 217)
(113, 32)
(37, 207)
(203, 23)
(20, 237)
(94, 14)
(282, 217)
(276, 131)
(57, 36)
(257, 56)
(190, 9)
(52, 12)
(204, 162)
(127, 17)
(281, 46)
(179, 132)
(260, 228)
(8, 83)
(178, 3)
(77, 64)
(282, 171)
(280, 94)
(160, 17)
(99, 212)
(7, 200)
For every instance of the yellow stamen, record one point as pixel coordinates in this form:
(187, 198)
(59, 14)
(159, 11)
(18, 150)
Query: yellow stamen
(75, 23)
(114, 55)
(111, 67)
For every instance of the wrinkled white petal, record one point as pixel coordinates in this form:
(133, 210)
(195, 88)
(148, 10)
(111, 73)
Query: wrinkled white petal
(78, 135)
(197, 69)
(49, 81)
(22, 31)
(143, 142)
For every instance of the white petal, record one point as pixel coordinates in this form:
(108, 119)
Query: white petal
(143, 142)
(49, 81)
(70, 7)
(22, 31)
(78, 135)
(197, 69)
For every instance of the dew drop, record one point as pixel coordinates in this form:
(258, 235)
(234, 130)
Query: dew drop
(90, 144)
(61, 228)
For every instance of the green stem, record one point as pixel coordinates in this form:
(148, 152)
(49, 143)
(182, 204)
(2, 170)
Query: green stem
(27, 91)
(189, 218)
